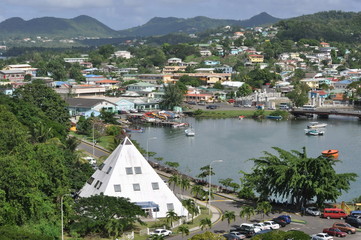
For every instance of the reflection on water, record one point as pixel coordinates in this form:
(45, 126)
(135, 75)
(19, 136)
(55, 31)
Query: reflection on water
(236, 141)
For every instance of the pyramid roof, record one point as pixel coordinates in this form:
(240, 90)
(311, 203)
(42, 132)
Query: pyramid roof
(126, 173)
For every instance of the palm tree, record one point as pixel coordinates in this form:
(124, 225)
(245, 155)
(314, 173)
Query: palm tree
(205, 222)
(184, 183)
(184, 230)
(247, 212)
(264, 207)
(191, 206)
(173, 96)
(198, 191)
(175, 179)
(171, 217)
(229, 215)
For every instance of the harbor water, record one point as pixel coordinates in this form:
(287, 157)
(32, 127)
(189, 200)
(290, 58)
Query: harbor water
(236, 141)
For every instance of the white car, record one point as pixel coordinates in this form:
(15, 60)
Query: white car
(238, 234)
(261, 226)
(91, 160)
(250, 226)
(321, 236)
(161, 231)
(271, 224)
(313, 211)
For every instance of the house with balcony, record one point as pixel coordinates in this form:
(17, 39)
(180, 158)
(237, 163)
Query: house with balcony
(82, 106)
(256, 58)
(174, 61)
(123, 54)
(141, 87)
(172, 69)
(12, 75)
(107, 83)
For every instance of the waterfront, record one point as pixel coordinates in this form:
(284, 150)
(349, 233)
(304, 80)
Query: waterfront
(235, 141)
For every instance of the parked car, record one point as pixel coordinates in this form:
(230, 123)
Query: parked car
(345, 227)
(280, 221)
(333, 213)
(231, 100)
(247, 105)
(229, 236)
(263, 231)
(354, 220)
(271, 224)
(260, 225)
(249, 225)
(286, 218)
(321, 236)
(246, 229)
(161, 232)
(334, 232)
(312, 211)
(212, 107)
(238, 234)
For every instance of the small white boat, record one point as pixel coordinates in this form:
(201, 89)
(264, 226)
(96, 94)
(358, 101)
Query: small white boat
(180, 125)
(190, 132)
(316, 125)
(315, 132)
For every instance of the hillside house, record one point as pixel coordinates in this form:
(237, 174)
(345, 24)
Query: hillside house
(79, 106)
(12, 75)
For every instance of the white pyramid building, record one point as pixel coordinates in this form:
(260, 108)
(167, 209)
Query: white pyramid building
(126, 173)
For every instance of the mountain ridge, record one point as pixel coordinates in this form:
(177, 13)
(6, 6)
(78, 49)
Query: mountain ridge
(87, 26)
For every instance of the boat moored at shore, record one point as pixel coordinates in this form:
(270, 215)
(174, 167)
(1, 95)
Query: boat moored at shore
(331, 153)
(316, 125)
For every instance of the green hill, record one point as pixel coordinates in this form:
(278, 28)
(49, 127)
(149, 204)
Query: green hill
(161, 26)
(327, 26)
(55, 27)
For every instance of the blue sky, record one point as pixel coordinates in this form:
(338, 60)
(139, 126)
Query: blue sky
(122, 14)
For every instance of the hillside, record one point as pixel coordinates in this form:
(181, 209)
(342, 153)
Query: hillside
(161, 26)
(54, 27)
(328, 26)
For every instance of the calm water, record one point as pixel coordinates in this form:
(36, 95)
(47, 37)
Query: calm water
(235, 141)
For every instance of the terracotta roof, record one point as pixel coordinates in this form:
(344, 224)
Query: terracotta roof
(106, 81)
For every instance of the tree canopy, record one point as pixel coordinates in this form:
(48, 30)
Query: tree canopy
(293, 175)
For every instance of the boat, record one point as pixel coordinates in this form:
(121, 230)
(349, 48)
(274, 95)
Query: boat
(134, 130)
(190, 132)
(314, 132)
(180, 125)
(274, 117)
(316, 125)
(241, 117)
(331, 153)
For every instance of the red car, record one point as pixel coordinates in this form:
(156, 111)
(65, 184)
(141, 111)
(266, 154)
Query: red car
(334, 232)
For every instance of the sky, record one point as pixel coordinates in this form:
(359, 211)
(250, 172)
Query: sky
(123, 14)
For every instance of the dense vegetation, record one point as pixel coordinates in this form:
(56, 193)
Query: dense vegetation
(336, 26)
(39, 162)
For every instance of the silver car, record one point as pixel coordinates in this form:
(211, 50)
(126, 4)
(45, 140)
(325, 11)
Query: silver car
(313, 211)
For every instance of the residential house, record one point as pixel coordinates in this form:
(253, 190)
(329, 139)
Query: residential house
(76, 60)
(256, 58)
(205, 53)
(12, 75)
(324, 44)
(141, 87)
(342, 84)
(123, 54)
(92, 78)
(211, 63)
(25, 67)
(174, 61)
(172, 69)
(126, 173)
(79, 106)
(80, 90)
(204, 70)
(224, 69)
(198, 97)
(107, 83)
(154, 78)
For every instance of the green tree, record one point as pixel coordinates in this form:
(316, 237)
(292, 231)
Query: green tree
(108, 116)
(208, 236)
(247, 212)
(226, 182)
(174, 179)
(229, 215)
(299, 95)
(198, 191)
(56, 68)
(184, 230)
(244, 90)
(264, 207)
(95, 212)
(191, 206)
(172, 97)
(205, 223)
(171, 217)
(295, 176)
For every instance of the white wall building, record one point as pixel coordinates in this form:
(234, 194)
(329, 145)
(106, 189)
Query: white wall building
(126, 173)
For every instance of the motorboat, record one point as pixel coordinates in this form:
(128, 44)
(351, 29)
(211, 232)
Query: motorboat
(180, 125)
(315, 132)
(190, 132)
(331, 153)
(274, 117)
(316, 125)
